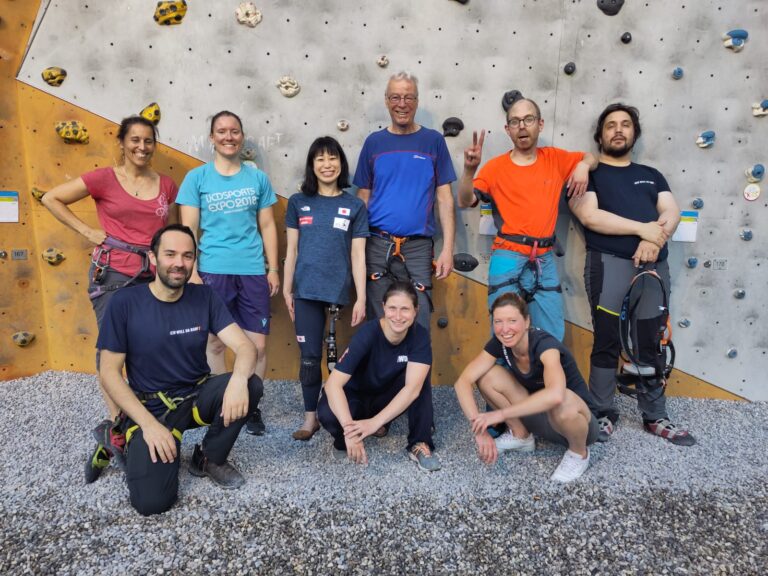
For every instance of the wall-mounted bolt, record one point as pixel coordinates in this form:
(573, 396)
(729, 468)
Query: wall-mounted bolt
(746, 234)
(684, 323)
(698, 203)
(732, 353)
(692, 262)
(739, 293)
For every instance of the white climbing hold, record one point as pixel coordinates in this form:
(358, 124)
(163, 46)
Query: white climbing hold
(248, 14)
(706, 139)
(383, 61)
(755, 173)
(735, 39)
(342, 125)
(289, 87)
(752, 192)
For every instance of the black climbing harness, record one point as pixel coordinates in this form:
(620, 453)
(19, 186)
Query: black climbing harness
(100, 259)
(635, 375)
(533, 264)
(394, 253)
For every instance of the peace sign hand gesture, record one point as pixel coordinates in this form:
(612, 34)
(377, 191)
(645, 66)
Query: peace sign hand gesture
(474, 153)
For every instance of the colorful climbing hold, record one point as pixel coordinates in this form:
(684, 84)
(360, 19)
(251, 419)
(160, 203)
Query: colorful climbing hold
(684, 323)
(692, 262)
(54, 75)
(452, 126)
(610, 7)
(698, 203)
(151, 113)
(38, 194)
(509, 98)
(382, 61)
(755, 173)
(53, 256)
(677, 73)
(23, 338)
(342, 125)
(752, 192)
(569, 68)
(732, 353)
(706, 139)
(626, 38)
(288, 86)
(170, 13)
(72, 132)
(248, 14)
(735, 39)
(760, 109)
(746, 234)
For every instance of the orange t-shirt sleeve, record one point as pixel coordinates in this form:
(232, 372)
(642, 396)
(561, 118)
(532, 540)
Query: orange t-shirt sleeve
(566, 161)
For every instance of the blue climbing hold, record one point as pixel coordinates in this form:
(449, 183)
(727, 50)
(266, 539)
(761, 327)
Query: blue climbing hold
(677, 73)
(756, 173)
(698, 203)
(739, 33)
(746, 234)
(692, 262)
(735, 39)
(706, 139)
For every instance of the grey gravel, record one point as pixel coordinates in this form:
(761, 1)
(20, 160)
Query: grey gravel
(643, 507)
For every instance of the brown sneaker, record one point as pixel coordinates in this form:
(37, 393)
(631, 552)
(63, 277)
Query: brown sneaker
(225, 475)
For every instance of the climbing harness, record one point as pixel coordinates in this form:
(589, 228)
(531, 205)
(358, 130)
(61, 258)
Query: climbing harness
(101, 257)
(635, 375)
(533, 264)
(331, 353)
(394, 253)
(172, 403)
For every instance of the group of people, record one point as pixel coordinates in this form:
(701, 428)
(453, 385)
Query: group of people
(179, 276)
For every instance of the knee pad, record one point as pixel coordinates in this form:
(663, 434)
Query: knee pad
(310, 372)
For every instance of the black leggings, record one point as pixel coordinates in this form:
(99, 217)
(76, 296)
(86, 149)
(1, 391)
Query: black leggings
(310, 333)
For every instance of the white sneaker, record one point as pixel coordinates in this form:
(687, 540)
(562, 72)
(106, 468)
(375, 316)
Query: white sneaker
(571, 467)
(508, 442)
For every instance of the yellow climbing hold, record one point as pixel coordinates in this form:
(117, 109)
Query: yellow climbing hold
(72, 132)
(151, 113)
(54, 75)
(53, 256)
(37, 194)
(23, 338)
(169, 13)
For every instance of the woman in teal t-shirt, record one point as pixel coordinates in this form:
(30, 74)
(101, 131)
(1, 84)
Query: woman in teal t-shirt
(229, 206)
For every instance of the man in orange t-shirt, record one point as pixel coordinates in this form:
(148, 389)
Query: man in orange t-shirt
(524, 187)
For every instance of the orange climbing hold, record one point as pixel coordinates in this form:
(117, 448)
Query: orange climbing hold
(170, 13)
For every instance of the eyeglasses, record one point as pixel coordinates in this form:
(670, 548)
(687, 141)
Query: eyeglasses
(529, 121)
(396, 98)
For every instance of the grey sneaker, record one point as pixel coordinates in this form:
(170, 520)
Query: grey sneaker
(255, 424)
(424, 458)
(225, 475)
(508, 442)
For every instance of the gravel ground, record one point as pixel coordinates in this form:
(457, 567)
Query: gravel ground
(643, 507)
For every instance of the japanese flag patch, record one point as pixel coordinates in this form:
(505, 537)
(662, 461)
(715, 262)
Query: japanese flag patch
(344, 211)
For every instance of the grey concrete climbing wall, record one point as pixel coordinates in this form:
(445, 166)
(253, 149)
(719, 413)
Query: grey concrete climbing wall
(119, 60)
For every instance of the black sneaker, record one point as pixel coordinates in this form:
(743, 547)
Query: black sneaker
(255, 425)
(96, 463)
(225, 475)
(108, 435)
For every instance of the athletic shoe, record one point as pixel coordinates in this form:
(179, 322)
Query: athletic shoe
(255, 424)
(108, 435)
(607, 428)
(664, 428)
(225, 475)
(96, 463)
(571, 467)
(424, 458)
(509, 442)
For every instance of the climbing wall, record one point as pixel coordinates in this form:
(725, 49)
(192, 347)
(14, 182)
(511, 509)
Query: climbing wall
(119, 60)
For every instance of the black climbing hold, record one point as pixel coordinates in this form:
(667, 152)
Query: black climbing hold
(610, 7)
(698, 203)
(570, 68)
(452, 126)
(442, 322)
(510, 98)
(462, 1)
(464, 262)
(626, 38)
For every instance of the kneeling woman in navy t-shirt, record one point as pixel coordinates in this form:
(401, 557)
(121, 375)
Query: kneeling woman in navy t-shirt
(383, 373)
(537, 389)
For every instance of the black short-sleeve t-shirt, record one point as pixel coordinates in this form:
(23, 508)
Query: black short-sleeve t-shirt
(629, 191)
(374, 363)
(164, 342)
(539, 341)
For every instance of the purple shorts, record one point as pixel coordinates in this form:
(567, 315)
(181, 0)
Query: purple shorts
(246, 297)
